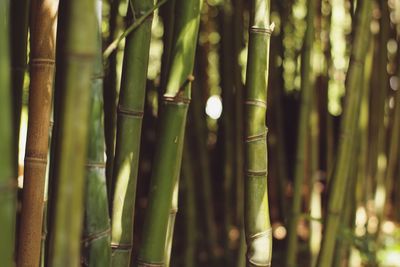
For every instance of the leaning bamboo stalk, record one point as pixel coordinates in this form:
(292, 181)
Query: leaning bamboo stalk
(257, 221)
(77, 55)
(129, 125)
(302, 134)
(7, 181)
(96, 234)
(43, 16)
(172, 128)
(340, 177)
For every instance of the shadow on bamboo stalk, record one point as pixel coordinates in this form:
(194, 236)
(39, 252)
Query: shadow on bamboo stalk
(19, 36)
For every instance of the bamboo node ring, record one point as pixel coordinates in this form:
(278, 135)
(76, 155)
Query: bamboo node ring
(129, 112)
(142, 263)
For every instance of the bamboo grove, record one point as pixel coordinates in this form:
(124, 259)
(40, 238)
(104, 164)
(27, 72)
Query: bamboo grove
(189, 133)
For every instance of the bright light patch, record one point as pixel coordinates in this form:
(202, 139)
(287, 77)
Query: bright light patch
(280, 232)
(214, 107)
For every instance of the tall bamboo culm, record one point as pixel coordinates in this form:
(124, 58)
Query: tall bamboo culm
(43, 23)
(256, 211)
(96, 250)
(7, 179)
(129, 125)
(306, 103)
(168, 156)
(77, 54)
(340, 176)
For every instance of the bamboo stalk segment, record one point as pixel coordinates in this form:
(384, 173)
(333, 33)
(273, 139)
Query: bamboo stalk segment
(129, 124)
(307, 86)
(43, 16)
(257, 221)
(77, 54)
(7, 170)
(96, 250)
(172, 128)
(340, 177)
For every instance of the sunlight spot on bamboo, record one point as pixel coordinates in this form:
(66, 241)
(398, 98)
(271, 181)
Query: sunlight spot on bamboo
(391, 102)
(214, 107)
(361, 216)
(234, 234)
(388, 227)
(372, 226)
(394, 83)
(120, 191)
(280, 232)
(392, 46)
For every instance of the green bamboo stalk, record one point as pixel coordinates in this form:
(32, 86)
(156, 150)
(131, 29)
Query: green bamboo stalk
(394, 146)
(168, 21)
(199, 126)
(129, 124)
(349, 125)
(19, 10)
(171, 224)
(43, 22)
(302, 133)
(190, 207)
(96, 233)
(172, 127)
(257, 222)
(227, 64)
(77, 55)
(7, 179)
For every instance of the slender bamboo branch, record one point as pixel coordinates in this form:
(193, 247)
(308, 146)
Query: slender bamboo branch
(172, 127)
(77, 55)
(96, 234)
(129, 125)
(257, 221)
(7, 179)
(43, 16)
(340, 176)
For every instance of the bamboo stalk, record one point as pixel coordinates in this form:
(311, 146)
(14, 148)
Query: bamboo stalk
(75, 70)
(199, 126)
(172, 127)
(257, 222)
(302, 133)
(110, 96)
(227, 65)
(129, 125)
(349, 125)
(43, 16)
(7, 170)
(190, 207)
(19, 10)
(96, 233)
